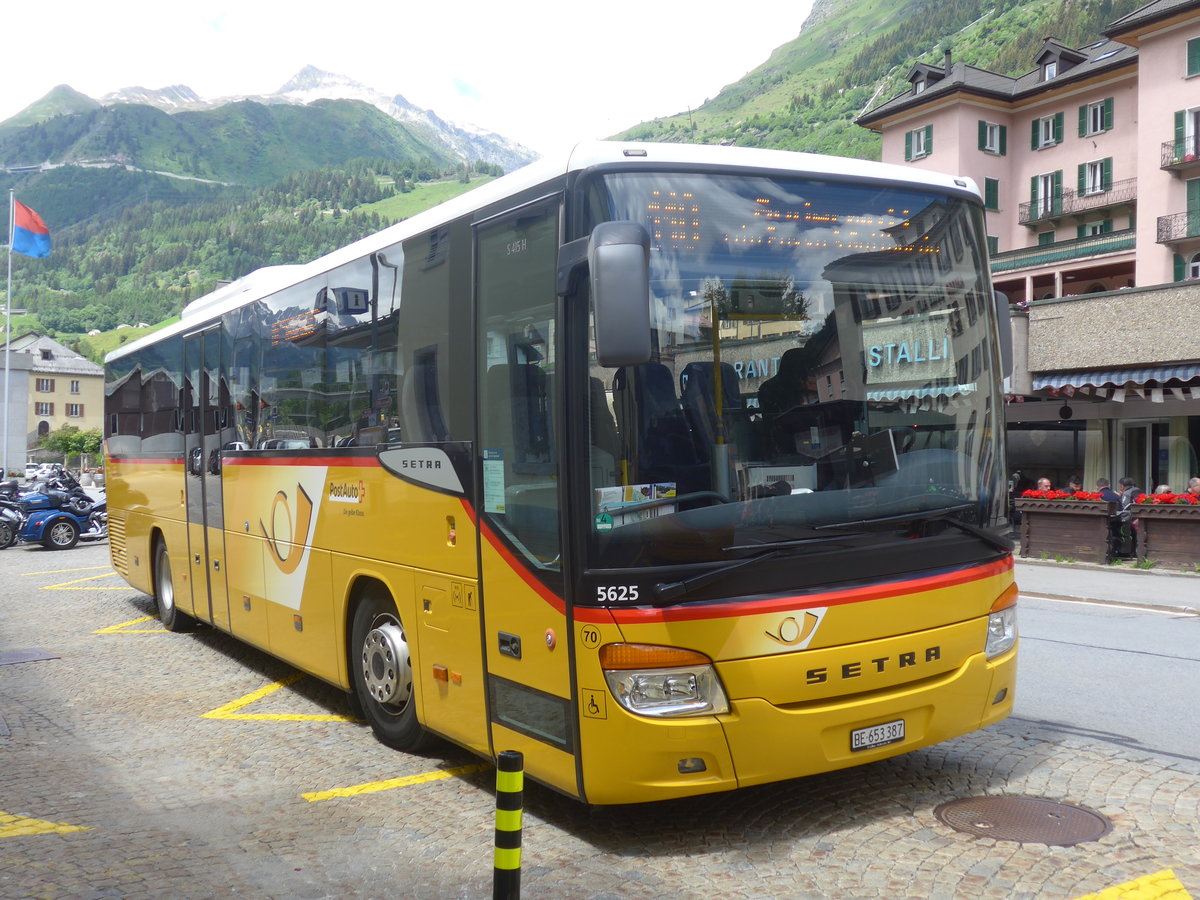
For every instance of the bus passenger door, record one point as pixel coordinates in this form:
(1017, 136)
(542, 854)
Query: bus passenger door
(206, 416)
(525, 623)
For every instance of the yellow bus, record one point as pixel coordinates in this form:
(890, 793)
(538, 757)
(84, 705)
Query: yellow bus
(676, 468)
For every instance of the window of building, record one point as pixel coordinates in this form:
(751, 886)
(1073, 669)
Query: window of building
(43, 409)
(74, 410)
(993, 244)
(75, 386)
(1193, 57)
(1047, 131)
(1045, 237)
(1095, 177)
(1047, 193)
(991, 193)
(47, 355)
(45, 385)
(1049, 70)
(918, 143)
(1096, 117)
(1091, 229)
(918, 85)
(993, 138)
(1193, 270)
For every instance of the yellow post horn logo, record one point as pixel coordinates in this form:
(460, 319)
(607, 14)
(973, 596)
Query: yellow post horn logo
(288, 562)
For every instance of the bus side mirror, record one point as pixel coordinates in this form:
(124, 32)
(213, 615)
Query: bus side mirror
(619, 269)
(1004, 327)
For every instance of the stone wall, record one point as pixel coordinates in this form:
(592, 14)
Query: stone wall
(1133, 327)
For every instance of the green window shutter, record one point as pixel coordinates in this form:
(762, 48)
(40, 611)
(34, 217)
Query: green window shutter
(982, 135)
(1033, 139)
(1106, 173)
(1083, 178)
(928, 140)
(993, 244)
(1106, 226)
(1108, 113)
(1080, 231)
(1058, 192)
(1033, 194)
(1180, 130)
(1179, 267)
(991, 193)
(1045, 237)
(1133, 221)
(1058, 128)
(908, 146)
(1193, 56)
(1003, 140)
(1083, 120)
(1193, 195)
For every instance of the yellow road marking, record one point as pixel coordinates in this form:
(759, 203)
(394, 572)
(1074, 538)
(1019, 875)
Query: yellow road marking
(372, 787)
(230, 710)
(60, 571)
(66, 585)
(19, 826)
(124, 628)
(1159, 886)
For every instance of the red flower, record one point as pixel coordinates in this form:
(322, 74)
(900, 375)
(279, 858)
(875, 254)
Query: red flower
(1169, 499)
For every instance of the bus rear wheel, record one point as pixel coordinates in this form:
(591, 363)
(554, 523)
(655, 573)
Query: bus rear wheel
(164, 592)
(383, 675)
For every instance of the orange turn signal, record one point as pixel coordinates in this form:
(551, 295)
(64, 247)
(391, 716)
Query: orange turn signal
(1006, 599)
(648, 656)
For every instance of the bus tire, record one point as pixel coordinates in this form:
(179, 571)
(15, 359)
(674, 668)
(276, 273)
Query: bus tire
(164, 592)
(381, 664)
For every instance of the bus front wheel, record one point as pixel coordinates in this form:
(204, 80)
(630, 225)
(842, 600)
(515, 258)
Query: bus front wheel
(383, 673)
(164, 592)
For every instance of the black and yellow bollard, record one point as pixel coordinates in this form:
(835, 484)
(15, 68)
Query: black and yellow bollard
(510, 800)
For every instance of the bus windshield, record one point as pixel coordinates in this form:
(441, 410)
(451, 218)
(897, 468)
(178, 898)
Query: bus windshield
(824, 359)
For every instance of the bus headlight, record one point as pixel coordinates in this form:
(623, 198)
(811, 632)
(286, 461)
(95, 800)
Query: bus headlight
(1002, 624)
(662, 682)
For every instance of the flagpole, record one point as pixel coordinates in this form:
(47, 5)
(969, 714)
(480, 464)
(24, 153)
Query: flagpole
(12, 209)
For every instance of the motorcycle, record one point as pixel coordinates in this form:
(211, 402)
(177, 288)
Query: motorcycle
(57, 514)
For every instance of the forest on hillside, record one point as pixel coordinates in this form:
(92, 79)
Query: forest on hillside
(149, 252)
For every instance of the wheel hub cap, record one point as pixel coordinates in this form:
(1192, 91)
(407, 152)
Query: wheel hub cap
(387, 668)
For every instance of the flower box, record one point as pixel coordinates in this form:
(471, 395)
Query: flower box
(1169, 531)
(1066, 527)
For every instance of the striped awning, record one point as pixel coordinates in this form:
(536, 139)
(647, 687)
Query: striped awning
(1118, 377)
(923, 392)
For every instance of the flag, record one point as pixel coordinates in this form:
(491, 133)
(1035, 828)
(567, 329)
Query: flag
(30, 235)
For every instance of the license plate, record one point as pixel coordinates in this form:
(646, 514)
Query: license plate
(877, 735)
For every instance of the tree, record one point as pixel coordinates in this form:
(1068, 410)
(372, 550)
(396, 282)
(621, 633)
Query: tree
(73, 443)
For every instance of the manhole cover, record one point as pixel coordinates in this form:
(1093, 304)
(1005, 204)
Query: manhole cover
(1026, 820)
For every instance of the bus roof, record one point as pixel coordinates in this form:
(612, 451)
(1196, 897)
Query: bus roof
(265, 281)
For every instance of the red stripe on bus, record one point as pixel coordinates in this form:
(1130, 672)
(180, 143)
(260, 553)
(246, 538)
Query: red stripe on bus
(147, 461)
(807, 601)
(339, 462)
(528, 577)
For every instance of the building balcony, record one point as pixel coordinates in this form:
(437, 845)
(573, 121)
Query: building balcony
(1074, 203)
(1179, 157)
(1064, 251)
(1178, 227)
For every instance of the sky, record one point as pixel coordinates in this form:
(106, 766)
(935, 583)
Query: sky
(531, 70)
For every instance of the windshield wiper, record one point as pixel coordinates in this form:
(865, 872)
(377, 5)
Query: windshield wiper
(944, 513)
(672, 589)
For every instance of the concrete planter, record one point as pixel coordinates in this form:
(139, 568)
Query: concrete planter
(1074, 529)
(1169, 535)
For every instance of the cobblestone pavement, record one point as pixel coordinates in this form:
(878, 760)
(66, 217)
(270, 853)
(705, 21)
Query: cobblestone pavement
(114, 783)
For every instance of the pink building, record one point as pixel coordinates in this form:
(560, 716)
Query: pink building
(1089, 165)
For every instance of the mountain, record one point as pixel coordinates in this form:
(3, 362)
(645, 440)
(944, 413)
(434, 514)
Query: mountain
(310, 84)
(61, 101)
(852, 55)
(243, 143)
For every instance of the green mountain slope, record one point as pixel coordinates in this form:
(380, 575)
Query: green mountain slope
(244, 143)
(854, 54)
